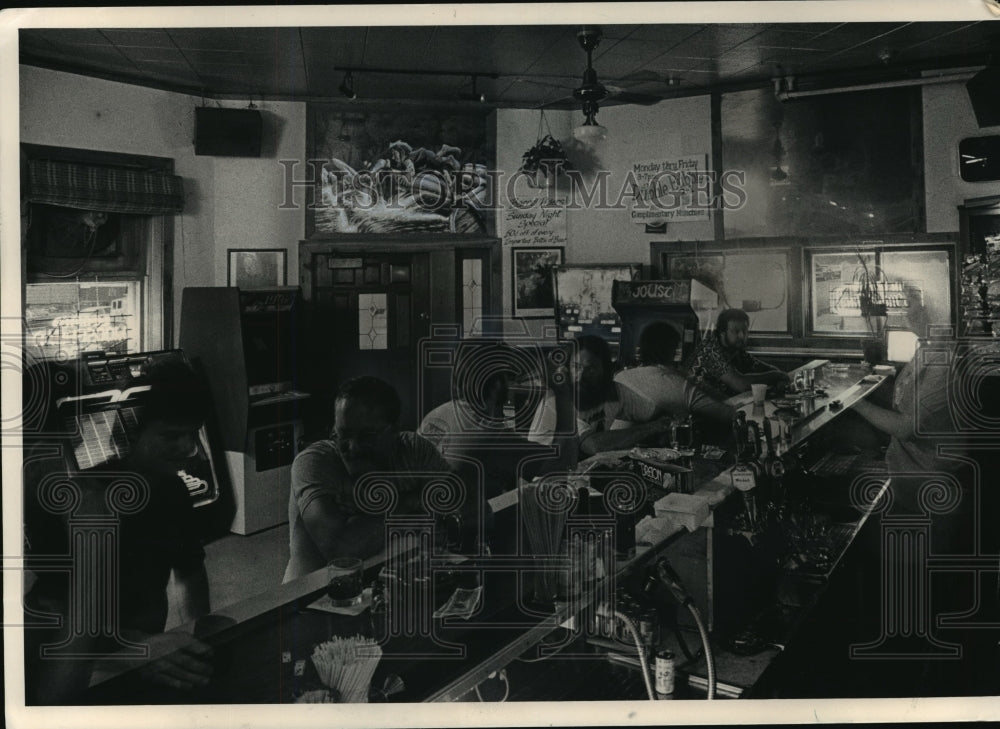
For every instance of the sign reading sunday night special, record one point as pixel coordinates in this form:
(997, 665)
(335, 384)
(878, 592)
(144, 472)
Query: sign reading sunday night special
(675, 190)
(537, 225)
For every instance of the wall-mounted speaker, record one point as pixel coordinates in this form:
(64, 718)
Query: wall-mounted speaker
(984, 93)
(227, 132)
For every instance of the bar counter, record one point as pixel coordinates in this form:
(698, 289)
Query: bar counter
(544, 653)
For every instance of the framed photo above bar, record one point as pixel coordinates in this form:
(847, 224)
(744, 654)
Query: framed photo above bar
(533, 295)
(912, 288)
(257, 268)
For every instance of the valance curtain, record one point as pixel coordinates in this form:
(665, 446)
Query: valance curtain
(109, 189)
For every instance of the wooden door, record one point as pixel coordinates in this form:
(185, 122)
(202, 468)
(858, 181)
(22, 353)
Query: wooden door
(367, 317)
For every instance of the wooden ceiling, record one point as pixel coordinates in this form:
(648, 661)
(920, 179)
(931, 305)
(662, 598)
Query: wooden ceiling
(516, 66)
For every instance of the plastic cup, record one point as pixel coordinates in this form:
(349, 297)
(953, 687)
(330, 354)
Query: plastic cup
(759, 393)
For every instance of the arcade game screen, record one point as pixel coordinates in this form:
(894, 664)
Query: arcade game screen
(583, 299)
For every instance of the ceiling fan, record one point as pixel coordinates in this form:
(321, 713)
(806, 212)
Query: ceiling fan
(591, 94)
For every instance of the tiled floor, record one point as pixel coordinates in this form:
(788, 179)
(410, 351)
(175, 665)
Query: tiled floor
(241, 566)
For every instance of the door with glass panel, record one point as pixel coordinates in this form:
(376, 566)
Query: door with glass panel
(368, 314)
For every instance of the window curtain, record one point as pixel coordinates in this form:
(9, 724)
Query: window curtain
(108, 189)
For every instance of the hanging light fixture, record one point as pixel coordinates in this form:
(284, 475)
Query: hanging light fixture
(590, 132)
(347, 86)
(590, 92)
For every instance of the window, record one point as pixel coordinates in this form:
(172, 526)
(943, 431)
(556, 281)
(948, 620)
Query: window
(472, 297)
(97, 230)
(373, 327)
(755, 280)
(63, 320)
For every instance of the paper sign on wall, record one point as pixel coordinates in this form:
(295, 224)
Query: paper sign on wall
(541, 224)
(674, 190)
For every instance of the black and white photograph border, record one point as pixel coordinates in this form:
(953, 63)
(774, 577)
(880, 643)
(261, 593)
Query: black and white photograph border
(918, 709)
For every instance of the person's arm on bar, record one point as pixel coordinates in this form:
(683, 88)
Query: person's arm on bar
(741, 381)
(192, 591)
(624, 438)
(892, 422)
(336, 535)
(175, 659)
(705, 407)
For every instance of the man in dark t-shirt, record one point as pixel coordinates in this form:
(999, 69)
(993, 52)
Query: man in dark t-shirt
(156, 539)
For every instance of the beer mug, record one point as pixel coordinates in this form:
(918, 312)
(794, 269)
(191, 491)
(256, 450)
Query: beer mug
(681, 434)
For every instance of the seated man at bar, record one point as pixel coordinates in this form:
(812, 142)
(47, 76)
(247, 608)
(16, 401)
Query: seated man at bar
(657, 389)
(156, 541)
(459, 428)
(593, 374)
(721, 363)
(325, 520)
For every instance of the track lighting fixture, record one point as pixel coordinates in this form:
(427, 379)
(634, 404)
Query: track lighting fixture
(347, 86)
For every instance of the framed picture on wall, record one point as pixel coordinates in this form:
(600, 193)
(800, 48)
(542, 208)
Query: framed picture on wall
(533, 295)
(258, 268)
(401, 170)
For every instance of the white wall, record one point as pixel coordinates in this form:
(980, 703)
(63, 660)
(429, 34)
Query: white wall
(948, 118)
(229, 202)
(636, 134)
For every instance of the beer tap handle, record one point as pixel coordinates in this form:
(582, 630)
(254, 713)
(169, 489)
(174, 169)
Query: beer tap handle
(740, 437)
(753, 438)
(768, 437)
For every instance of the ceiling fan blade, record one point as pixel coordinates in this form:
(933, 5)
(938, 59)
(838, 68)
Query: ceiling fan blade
(564, 102)
(546, 84)
(618, 96)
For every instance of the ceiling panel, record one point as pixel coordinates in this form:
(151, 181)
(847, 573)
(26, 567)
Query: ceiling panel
(95, 57)
(536, 64)
(323, 48)
(629, 56)
(138, 37)
(463, 43)
(403, 48)
(206, 39)
(782, 37)
(668, 35)
(153, 54)
(563, 57)
(519, 49)
(69, 37)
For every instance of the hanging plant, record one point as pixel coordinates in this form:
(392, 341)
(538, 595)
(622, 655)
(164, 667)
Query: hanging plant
(542, 162)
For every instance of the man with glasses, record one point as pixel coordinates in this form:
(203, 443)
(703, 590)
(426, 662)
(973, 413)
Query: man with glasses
(325, 520)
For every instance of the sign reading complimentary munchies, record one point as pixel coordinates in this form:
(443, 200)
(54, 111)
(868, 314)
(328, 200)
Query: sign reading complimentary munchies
(675, 190)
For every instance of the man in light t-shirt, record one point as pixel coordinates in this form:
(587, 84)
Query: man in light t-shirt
(472, 430)
(598, 406)
(325, 518)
